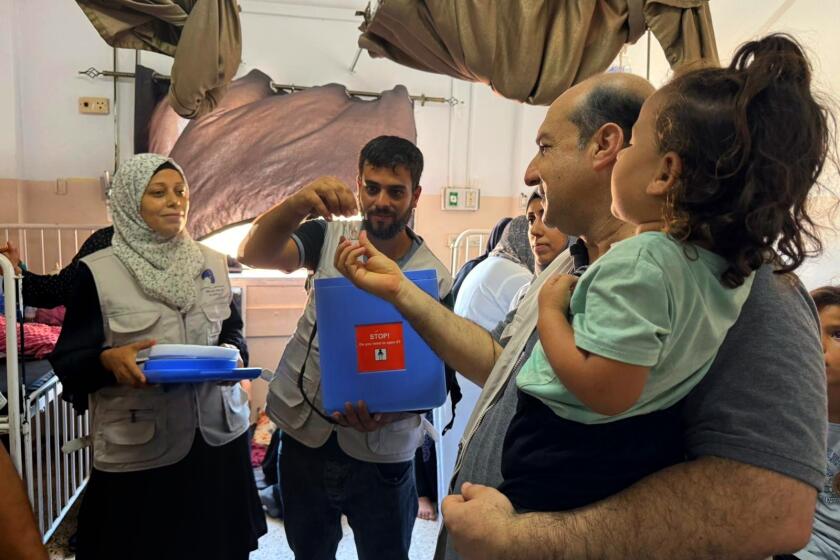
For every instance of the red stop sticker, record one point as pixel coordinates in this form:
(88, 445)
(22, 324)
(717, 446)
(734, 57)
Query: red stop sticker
(380, 347)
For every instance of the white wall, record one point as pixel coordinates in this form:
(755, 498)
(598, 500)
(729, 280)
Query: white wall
(52, 41)
(8, 93)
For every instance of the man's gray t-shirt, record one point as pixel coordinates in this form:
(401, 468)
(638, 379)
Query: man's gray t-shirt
(762, 403)
(484, 465)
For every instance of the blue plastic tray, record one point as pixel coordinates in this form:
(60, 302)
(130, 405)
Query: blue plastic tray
(200, 376)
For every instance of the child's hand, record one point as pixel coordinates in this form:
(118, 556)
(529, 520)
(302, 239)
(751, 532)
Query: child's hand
(556, 293)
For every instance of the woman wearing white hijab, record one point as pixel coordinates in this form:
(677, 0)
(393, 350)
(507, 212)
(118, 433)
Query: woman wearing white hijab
(171, 476)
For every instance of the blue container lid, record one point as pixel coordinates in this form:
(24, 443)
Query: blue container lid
(196, 376)
(189, 364)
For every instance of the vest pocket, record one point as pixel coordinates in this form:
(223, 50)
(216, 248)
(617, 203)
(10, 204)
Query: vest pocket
(132, 327)
(286, 405)
(235, 406)
(398, 438)
(215, 313)
(130, 435)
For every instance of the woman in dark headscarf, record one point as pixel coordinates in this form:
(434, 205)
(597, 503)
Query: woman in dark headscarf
(171, 473)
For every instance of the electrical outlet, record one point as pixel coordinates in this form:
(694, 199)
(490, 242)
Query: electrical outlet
(460, 198)
(471, 199)
(94, 105)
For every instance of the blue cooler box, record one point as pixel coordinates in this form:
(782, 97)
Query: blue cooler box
(369, 352)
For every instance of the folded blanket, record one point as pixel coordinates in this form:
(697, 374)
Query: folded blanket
(54, 316)
(39, 339)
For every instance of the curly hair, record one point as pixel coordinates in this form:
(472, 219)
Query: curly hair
(753, 139)
(826, 296)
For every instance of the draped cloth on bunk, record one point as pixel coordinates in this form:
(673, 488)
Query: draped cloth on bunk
(259, 147)
(532, 50)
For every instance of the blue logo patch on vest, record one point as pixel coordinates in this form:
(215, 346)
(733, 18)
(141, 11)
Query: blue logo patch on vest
(207, 274)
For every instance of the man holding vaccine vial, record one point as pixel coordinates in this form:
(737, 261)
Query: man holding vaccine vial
(358, 463)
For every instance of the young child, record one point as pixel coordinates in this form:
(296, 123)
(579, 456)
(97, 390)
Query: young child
(715, 178)
(825, 538)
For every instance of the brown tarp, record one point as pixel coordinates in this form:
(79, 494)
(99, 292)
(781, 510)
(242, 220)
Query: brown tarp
(203, 35)
(532, 50)
(258, 147)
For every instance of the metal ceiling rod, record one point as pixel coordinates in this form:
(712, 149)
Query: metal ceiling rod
(355, 61)
(422, 98)
(94, 73)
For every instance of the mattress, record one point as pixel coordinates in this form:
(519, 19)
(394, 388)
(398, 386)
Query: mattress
(37, 372)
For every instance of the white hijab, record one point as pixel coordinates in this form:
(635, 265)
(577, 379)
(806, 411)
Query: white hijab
(165, 269)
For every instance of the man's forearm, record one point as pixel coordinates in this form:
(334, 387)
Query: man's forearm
(708, 508)
(19, 536)
(462, 344)
(269, 234)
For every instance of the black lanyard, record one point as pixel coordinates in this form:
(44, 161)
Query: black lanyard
(329, 419)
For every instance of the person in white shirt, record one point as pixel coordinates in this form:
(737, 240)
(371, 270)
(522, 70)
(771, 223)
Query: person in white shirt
(487, 291)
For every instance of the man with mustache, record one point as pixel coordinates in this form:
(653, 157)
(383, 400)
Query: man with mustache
(348, 464)
(748, 486)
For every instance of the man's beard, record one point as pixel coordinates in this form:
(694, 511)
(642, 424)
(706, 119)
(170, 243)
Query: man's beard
(388, 231)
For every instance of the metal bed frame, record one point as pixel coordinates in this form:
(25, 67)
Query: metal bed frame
(46, 237)
(469, 242)
(40, 425)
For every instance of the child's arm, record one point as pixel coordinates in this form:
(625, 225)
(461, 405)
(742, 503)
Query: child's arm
(606, 386)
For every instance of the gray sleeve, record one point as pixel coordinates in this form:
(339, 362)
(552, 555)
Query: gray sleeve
(300, 247)
(764, 400)
(499, 329)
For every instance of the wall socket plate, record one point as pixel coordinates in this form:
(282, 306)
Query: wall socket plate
(460, 198)
(94, 105)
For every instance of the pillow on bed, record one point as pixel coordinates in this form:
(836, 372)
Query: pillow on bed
(54, 317)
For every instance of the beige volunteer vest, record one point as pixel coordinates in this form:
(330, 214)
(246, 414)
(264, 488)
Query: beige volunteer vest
(138, 429)
(285, 405)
